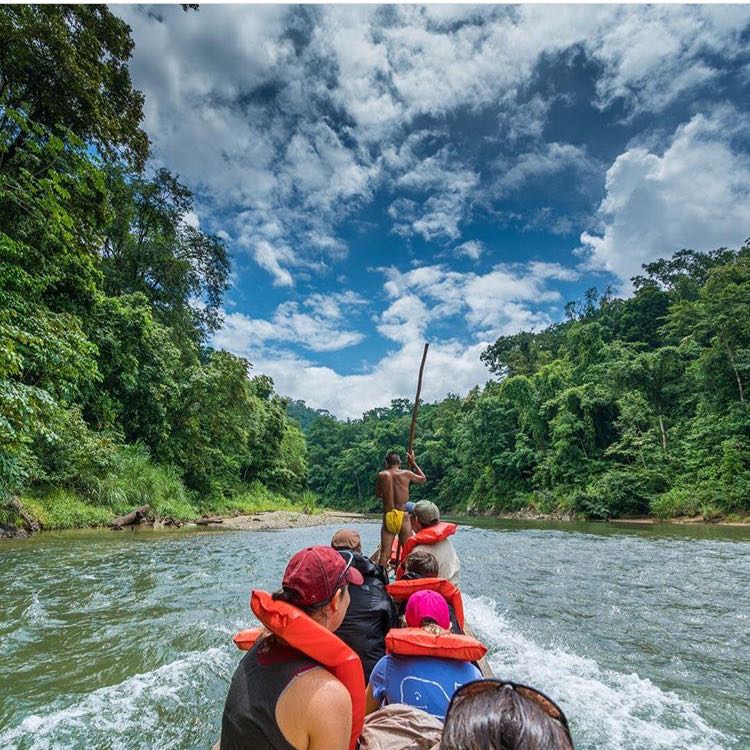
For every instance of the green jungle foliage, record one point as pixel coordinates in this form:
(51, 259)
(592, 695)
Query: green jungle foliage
(109, 394)
(111, 397)
(304, 415)
(629, 407)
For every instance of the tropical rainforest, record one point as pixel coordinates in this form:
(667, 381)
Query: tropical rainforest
(629, 407)
(112, 396)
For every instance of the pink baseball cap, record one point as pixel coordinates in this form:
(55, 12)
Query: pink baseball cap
(427, 604)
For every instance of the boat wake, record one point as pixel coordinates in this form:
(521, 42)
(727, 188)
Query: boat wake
(608, 710)
(144, 711)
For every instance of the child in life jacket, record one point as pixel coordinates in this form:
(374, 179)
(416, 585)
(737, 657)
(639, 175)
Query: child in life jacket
(424, 662)
(422, 573)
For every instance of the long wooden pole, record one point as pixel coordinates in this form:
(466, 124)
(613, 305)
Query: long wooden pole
(413, 428)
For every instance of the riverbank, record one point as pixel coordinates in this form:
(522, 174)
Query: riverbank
(285, 519)
(533, 515)
(269, 519)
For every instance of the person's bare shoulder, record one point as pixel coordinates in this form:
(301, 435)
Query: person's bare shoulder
(328, 715)
(327, 719)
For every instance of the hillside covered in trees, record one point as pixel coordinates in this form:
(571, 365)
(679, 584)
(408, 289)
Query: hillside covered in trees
(111, 396)
(109, 292)
(629, 407)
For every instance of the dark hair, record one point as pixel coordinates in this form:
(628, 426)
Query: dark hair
(501, 720)
(423, 563)
(392, 458)
(290, 596)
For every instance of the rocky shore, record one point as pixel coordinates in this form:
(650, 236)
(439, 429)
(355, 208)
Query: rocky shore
(285, 519)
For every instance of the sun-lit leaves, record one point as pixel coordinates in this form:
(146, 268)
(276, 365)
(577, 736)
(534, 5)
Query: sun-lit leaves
(108, 290)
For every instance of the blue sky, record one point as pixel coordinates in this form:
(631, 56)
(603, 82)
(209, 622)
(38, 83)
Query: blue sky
(387, 175)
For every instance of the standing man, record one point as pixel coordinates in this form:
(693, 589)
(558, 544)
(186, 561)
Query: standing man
(392, 487)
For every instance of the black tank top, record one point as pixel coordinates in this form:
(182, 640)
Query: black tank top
(249, 720)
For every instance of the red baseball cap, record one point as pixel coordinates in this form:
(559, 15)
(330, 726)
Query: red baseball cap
(315, 573)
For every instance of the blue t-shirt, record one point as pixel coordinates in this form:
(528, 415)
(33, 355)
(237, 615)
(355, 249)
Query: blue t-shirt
(425, 682)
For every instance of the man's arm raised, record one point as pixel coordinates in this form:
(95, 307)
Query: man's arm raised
(416, 475)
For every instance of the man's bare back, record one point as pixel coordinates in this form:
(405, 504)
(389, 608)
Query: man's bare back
(392, 487)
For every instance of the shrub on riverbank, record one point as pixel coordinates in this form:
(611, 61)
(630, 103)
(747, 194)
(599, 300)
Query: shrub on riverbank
(64, 509)
(257, 498)
(135, 480)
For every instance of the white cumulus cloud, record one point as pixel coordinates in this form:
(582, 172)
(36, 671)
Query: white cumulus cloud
(695, 194)
(318, 324)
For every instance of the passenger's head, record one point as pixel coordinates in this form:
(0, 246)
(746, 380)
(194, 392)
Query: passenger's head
(426, 608)
(392, 460)
(494, 715)
(316, 581)
(421, 564)
(424, 514)
(346, 539)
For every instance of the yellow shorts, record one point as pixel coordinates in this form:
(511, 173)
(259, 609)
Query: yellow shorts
(394, 520)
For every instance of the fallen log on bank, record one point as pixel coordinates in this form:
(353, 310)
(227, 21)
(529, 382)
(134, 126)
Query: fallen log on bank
(131, 519)
(209, 519)
(29, 522)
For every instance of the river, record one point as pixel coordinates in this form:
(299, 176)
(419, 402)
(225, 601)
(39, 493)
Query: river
(123, 641)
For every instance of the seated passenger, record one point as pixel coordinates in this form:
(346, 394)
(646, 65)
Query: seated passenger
(424, 662)
(281, 697)
(432, 535)
(421, 564)
(421, 573)
(496, 715)
(371, 612)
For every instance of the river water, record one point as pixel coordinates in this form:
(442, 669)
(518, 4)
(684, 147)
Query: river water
(123, 641)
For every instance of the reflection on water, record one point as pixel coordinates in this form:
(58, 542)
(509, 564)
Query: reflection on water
(124, 640)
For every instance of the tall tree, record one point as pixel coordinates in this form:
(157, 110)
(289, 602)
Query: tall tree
(152, 247)
(67, 65)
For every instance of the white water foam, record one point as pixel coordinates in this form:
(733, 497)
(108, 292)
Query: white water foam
(35, 617)
(146, 710)
(608, 710)
(36, 614)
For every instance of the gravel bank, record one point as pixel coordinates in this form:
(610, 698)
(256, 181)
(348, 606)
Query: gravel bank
(285, 519)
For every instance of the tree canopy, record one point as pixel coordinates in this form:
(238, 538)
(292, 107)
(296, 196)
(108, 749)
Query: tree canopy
(630, 407)
(109, 290)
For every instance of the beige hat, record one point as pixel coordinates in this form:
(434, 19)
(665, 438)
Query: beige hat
(347, 539)
(427, 512)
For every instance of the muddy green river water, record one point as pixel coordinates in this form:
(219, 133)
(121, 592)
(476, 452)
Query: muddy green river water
(123, 641)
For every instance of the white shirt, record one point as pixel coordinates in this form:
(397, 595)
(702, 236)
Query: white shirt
(448, 563)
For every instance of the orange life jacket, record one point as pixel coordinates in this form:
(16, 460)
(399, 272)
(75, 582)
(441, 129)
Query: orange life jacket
(430, 535)
(394, 552)
(246, 639)
(304, 634)
(420, 642)
(401, 590)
